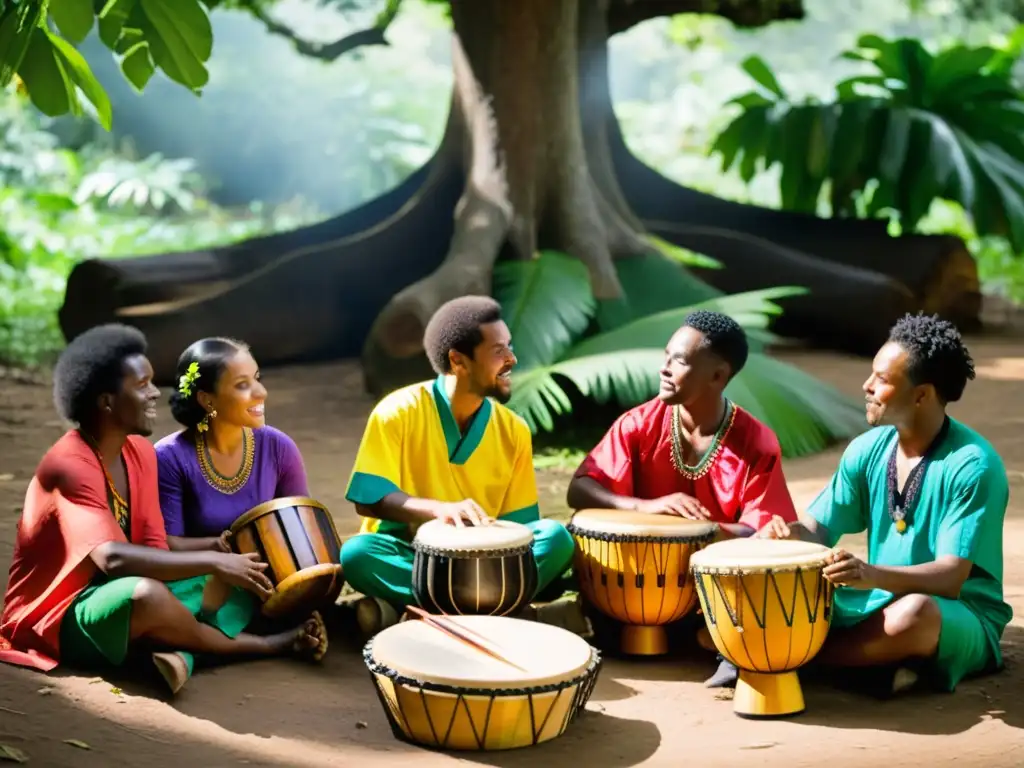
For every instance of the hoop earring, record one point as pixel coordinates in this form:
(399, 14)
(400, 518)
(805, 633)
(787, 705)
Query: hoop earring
(204, 425)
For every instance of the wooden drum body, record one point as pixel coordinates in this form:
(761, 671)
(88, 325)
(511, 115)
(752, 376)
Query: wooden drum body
(635, 568)
(476, 570)
(768, 608)
(440, 692)
(297, 539)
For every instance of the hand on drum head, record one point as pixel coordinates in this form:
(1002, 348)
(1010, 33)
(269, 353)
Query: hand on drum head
(777, 528)
(847, 570)
(678, 504)
(462, 513)
(245, 571)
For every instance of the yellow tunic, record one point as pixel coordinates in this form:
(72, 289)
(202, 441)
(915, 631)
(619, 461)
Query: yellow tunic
(413, 444)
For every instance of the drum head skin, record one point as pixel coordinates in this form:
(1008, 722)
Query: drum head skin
(420, 651)
(501, 534)
(759, 555)
(615, 522)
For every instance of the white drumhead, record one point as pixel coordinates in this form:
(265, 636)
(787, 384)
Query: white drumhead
(759, 554)
(418, 650)
(625, 523)
(500, 534)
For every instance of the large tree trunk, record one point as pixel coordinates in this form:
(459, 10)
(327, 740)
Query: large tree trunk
(532, 158)
(528, 181)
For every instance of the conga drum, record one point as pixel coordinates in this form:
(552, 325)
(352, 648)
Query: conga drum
(438, 691)
(768, 608)
(635, 568)
(477, 570)
(297, 539)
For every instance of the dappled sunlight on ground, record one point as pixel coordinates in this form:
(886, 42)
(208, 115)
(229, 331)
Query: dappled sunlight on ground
(653, 711)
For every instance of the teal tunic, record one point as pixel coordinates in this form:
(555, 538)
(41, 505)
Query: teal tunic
(959, 511)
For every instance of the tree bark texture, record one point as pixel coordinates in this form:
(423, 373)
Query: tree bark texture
(532, 158)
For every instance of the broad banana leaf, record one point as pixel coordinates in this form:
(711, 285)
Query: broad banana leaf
(923, 126)
(623, 365)
(547, 304)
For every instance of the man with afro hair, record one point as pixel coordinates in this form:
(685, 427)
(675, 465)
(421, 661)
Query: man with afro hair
(446, 449)
(690, 451)
(93, 581)
(931, 493)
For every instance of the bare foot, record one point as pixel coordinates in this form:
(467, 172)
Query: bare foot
(308, 640)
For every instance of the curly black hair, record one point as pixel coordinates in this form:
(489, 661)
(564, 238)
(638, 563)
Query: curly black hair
(92, 365)
(212, 355)
(456, 325)
(936, 354)
(723, 336)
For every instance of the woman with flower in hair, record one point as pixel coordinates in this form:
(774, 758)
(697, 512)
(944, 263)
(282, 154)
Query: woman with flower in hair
(92, 583)
(226, 460)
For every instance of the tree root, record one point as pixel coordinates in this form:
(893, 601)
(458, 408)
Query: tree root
(483, 219)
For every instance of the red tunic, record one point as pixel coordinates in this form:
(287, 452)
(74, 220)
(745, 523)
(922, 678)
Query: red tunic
(65, 517)
(744, 483)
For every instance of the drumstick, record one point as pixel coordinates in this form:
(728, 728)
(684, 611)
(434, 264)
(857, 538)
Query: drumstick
(448, 628)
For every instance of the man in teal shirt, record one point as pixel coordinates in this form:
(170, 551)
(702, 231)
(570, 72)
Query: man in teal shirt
(931, 494)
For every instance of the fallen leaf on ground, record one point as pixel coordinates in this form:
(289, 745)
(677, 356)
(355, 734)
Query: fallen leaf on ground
(77, 743)
(12, 755)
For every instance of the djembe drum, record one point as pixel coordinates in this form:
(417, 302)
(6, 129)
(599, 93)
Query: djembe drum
(768, 608)
(297, 539)
(438, 691)
(485, 569)
(635, 568)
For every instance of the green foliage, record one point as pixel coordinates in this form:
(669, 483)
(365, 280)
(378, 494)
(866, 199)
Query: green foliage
(59, 206)
(174, 36)
(917, 128)
(561, 337)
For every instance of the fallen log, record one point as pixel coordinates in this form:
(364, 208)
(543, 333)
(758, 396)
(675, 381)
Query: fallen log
(847, 308)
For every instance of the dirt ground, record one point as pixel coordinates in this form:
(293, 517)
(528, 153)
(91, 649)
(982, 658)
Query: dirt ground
(286, 713)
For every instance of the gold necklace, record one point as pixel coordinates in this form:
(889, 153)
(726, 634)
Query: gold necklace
(223, 483)
(717, 442)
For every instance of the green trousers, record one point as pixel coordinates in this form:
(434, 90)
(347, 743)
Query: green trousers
(380, 565)
(95, 631)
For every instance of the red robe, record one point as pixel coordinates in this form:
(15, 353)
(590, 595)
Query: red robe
(65, 517)
(744, 483)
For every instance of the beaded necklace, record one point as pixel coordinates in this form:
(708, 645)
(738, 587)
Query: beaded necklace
(118, 505)
(717, 442)
(224, 483)
(899, 503)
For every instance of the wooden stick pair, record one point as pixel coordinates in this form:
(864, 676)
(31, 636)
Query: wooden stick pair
(451, 629)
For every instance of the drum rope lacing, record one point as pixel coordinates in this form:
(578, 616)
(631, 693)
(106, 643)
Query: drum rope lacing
(661, 562)
(223, 483)
(703, 466)
(584, 683)
(822, 594)
(638, 538)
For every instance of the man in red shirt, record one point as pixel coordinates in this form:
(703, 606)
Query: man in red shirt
(690, 451)
(92, 578)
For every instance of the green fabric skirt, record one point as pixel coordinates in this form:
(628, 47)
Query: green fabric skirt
(95, 631)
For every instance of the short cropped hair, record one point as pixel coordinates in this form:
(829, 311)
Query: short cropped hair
(456, 325)
(212, 355)
(936, 354)
(93, 365)
(723, 336)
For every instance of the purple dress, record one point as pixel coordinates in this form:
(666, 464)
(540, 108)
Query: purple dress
(194, 508)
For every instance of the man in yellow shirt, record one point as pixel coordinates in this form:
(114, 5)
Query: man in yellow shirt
(446, 449)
